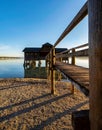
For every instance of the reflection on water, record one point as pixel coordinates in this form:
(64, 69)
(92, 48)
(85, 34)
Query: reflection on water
(35, 69)
(14, 68)
(35, 72)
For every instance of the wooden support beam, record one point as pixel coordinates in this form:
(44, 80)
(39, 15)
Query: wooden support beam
(72, 88)
(47, 68)
(95, 63)
(80, 120)
(73, 57)
(52, 71)
(73, 63)
(60, 75)
(84, 52)
(49, 73)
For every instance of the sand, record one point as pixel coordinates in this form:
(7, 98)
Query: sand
(26, 104)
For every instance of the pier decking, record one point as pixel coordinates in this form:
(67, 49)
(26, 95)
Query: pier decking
(78, 75)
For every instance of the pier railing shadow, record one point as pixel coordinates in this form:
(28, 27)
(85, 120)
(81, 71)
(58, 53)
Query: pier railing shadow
(57, 116)
(28, 109)
(24, 102)
(21, 84)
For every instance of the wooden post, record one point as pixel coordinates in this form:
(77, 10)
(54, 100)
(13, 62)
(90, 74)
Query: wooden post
(46, 63)
(73, 63)
(49, 68)
(95, 63)
(80, 120)
(73, 57)
(59, 73)
(68, 57)
(53, 71)
(72, 89)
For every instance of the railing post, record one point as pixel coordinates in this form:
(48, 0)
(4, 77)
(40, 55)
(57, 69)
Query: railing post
(68, 56)
(95, 63)
(47, 68)
(53, 71)
(49, 73)
(73, 57)
(59, 73)
(72, 88)
(73, 63)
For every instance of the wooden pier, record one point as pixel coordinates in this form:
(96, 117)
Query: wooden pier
(77, 75)
(88, 80)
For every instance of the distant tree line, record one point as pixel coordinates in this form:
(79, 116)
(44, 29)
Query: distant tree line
(5, 57)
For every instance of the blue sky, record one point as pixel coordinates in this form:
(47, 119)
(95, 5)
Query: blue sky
(31, 23)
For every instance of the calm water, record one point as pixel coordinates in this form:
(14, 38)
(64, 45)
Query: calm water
(11, 68)
(14, 68)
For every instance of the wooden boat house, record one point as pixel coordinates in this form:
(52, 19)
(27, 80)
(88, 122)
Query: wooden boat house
(37, 54)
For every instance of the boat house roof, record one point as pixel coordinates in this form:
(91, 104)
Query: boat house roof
(41, 52)
(33, 49)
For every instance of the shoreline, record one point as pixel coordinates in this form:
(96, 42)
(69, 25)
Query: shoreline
(27, 103)
(9, 58)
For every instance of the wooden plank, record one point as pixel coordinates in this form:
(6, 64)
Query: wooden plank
(79, 53)
(79, 75)
(53, 71)
(81, 46)
(65, 52)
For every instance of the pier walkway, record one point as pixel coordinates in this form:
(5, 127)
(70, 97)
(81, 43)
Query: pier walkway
(78, 75)
(89, 80)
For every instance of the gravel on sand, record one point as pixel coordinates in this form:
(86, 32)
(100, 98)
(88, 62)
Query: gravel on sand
(27, 104)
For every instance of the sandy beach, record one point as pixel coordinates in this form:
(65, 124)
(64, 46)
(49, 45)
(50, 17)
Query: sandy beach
(27, 104)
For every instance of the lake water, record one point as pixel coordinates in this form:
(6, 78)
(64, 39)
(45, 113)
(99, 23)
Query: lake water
(11, 68)
(14, 68)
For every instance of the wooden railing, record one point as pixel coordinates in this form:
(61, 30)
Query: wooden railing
(94, 9)
(51, 57)
(78, 51)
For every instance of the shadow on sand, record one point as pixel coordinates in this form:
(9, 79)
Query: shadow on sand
(12, 115)
(28, 109)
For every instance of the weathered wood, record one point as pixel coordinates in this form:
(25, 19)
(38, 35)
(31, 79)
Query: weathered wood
(81, 14)
(78, 47)
(53, 71)
(81, 46)
(60, 75)
(79, 53)
(49, 70)
(72, 88)
(79, 75)
(73, 57)
(80, 120)
(95, 63)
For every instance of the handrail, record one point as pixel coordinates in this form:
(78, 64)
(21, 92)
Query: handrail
(81, 46)
(51, 57)
(84, 45)
(81, 14)
(69, 53)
